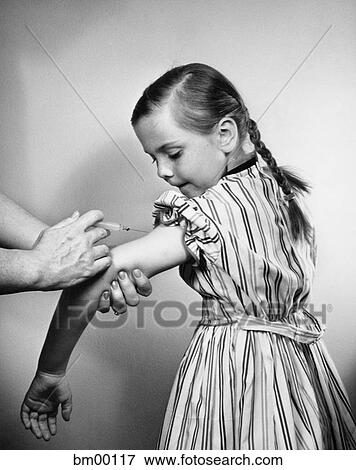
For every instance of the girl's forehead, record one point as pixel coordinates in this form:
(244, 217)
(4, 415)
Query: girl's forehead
(159, 126)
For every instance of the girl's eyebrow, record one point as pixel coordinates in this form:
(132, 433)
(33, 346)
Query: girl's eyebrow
(168, 144)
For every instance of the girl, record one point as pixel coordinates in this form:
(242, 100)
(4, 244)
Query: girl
(256, 374)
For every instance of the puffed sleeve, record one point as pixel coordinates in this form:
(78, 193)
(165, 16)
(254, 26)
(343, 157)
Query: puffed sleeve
(202, 237)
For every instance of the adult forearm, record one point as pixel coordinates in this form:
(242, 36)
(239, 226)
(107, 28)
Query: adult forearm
(18, 228)
(18, 271)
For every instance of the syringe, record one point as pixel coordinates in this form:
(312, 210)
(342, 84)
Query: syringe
(114, 227)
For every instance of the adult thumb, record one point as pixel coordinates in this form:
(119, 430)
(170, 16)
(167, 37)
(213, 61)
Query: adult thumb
(66, 409)
(68, 220)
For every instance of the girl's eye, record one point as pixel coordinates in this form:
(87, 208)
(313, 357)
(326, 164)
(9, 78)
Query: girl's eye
(176, 155)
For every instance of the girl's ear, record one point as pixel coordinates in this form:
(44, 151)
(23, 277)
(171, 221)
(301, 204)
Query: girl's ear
(228, 135)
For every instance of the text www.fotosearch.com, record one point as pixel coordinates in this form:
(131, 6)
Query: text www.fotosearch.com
(183, 459)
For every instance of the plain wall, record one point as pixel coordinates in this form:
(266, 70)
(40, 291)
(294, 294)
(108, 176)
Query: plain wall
(56, 157)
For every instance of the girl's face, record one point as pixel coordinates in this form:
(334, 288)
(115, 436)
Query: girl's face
(185, 159)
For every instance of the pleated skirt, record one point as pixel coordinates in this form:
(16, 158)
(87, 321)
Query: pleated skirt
(238, 389)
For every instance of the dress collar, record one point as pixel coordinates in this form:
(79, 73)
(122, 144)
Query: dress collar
(242, 167)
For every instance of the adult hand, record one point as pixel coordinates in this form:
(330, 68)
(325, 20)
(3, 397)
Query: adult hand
(124, 290)
(40, 406)
(64, 255)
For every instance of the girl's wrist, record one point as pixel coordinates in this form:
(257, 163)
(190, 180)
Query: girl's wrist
(41, 372)
(50, 365)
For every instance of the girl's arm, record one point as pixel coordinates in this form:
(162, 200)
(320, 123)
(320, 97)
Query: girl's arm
(158, 251)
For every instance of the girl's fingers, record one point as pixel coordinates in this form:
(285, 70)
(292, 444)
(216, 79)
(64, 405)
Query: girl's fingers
(143, 285)
(183, 224)
(42, 423)
(25, 416)
(34, 424)
(52, 424)
(118, 301)
(67, 409)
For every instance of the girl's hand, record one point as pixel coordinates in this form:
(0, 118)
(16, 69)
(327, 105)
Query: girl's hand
(40, 406)
(124, 292)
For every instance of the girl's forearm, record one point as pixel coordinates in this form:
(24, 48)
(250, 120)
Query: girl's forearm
(75, 310)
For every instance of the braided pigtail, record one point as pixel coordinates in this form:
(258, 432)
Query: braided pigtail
(290, 183)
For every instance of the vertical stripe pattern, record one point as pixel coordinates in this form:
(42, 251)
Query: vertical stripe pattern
(256, 374)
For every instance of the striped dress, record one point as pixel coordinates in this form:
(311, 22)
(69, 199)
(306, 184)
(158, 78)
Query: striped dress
(256, 374)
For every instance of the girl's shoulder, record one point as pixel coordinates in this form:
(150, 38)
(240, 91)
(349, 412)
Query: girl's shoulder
(200, 232)
(243, 183)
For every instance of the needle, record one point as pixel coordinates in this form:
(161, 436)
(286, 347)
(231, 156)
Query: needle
(114, 227)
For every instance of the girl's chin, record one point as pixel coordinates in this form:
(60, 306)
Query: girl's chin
(189, 191)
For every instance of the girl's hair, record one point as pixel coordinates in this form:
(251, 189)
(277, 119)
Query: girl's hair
(201, 96)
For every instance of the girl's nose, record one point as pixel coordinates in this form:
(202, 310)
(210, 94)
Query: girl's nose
(164, 170)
